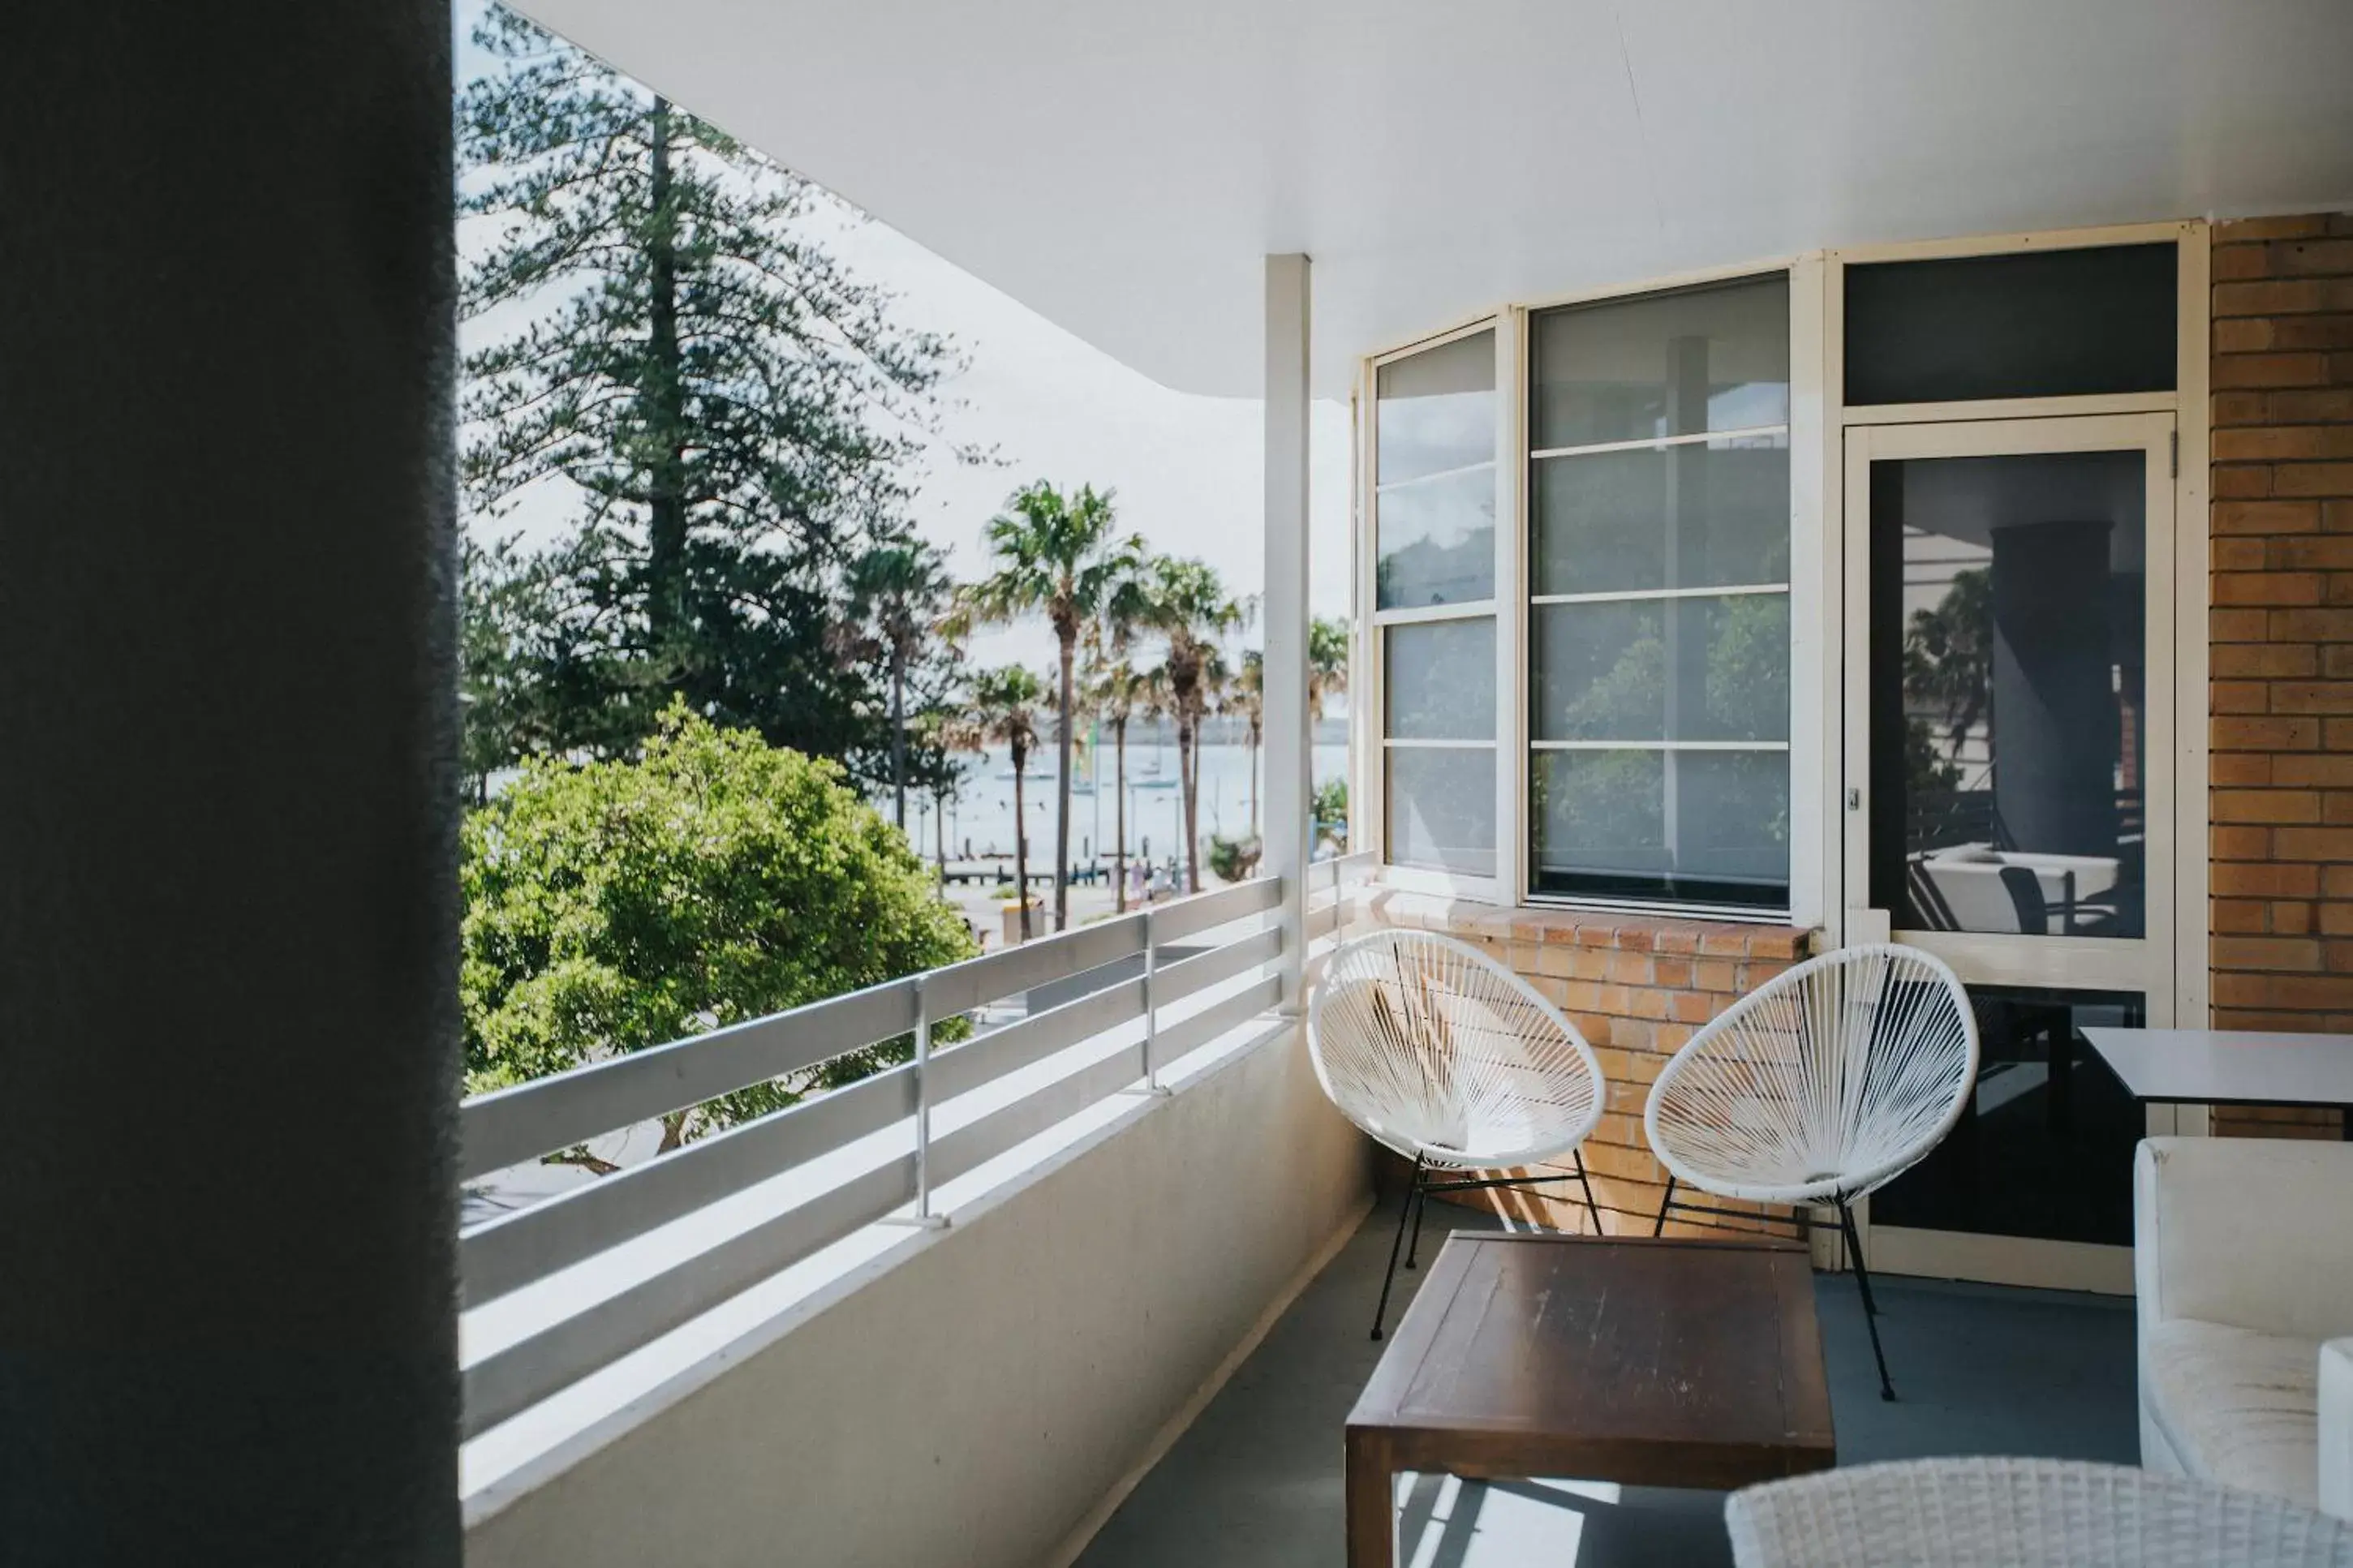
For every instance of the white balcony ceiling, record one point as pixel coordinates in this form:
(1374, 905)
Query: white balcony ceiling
(1121, 165)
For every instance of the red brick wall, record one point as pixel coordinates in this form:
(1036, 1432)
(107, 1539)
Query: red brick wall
(2282, 370)
(1637, 988)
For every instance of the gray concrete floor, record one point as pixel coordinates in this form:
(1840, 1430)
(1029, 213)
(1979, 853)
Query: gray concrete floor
(1257, 1480)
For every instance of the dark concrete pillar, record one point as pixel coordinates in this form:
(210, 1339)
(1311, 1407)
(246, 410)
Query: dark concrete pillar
(2054, 701)
(227, 1006)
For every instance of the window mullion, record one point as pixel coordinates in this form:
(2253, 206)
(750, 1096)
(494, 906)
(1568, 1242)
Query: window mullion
(1512, 844)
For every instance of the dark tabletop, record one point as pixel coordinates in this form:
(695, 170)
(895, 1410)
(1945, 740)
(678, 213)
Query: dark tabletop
(1689, 1363)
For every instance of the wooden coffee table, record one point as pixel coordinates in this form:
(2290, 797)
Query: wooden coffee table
(1659, 1364)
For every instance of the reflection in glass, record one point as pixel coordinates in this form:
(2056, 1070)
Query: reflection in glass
(1438, 680)
(2045, 1146)
(2007, 761)
(2029, 323)
(1663, 670)
(1716, 358)
(1436, 541)
(1707, 826)
(1705, 514)
(1441, 808)
(1437, 409)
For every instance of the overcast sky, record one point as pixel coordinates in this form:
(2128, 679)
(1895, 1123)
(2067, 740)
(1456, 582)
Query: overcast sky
(1185, 469)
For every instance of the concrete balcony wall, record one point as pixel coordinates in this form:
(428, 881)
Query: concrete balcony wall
(985, 1396)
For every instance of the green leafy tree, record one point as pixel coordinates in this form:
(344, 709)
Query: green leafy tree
(615, 906)
(510, 656)
(1331, 810)
(1004, 712)
(1185, 602)
(730, 416)
(1059, 556)
(1948, 657)
(1233, 859)
(1747, 673)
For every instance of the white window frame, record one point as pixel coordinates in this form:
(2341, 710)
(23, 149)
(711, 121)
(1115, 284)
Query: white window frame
(1817, 420)
(1371, 705)
(2188, 1002)
(1801, 603)
(1513, 608)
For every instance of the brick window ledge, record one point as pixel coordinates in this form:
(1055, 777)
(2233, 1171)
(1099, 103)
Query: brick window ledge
(1586, 928)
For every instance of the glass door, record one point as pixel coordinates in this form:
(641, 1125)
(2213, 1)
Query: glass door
(2007, 746)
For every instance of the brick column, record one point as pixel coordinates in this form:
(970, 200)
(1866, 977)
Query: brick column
(2283, 637)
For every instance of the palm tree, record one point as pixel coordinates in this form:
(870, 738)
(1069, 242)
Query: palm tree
(1055, 555)
(1187, 605)
(945, 732)
(1114, 690)
(1213, 696)
(1118, 688)
(1005, 712)
(1156, 703)
(1247, 702)
(898, 595)
(1328, 662)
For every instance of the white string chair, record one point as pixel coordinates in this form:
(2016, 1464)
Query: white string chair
(1995, 1512)
(1820, 1087)
(1441, 1053)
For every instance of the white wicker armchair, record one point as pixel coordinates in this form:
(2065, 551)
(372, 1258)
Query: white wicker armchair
(1443, 1055)
(1989, 1513)
(1819, 1086)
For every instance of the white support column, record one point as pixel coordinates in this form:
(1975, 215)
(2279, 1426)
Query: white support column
(1289, 744)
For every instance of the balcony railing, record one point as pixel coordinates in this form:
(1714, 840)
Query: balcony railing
(883, 1157)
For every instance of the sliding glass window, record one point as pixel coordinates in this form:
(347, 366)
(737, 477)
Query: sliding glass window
(1434, 604)
(1658, 597)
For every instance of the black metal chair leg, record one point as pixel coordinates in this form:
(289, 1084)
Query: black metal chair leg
(1591, 1207)
(1659, 1226)
(1395, 1243)
(1870, 1307)
(1420, 1199)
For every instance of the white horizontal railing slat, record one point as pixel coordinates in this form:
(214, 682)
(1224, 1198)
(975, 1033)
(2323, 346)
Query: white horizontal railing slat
(1174, 922)
(512, 1250)
(981, 1141)
(1180, 1040)
(1203, 970)
(962, 1068)
(961, 987)
(514, 1125)
(509, 1126)
(953, 1153)
(513, 1380)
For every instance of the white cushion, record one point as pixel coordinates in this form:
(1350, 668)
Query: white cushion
(2336, 1428)
(2236, 1405)
(2252, 1231)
